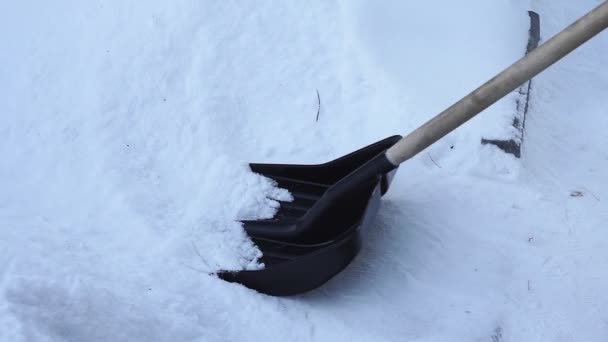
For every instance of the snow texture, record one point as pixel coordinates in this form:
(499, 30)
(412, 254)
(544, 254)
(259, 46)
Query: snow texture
(126, 128)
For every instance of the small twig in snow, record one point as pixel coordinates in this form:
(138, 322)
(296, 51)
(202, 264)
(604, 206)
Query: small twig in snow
(197, 269)
(592, 194)
(433, 160)
(319, 105)
(198, 252)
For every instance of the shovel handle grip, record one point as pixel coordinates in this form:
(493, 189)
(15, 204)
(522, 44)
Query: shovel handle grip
(502, 84)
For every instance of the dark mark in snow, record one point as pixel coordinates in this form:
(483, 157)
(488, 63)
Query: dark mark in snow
(497, 336)
(576, 193)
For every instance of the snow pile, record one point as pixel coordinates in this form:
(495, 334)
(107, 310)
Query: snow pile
(126, 131)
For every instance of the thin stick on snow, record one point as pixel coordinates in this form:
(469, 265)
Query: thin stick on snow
(198, 252)
(319, 105)
(197, 269)
(592, 194)
(434, 162)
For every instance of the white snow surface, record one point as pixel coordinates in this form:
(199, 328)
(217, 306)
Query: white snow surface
(126, 128)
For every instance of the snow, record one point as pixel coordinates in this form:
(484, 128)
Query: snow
(127, 128)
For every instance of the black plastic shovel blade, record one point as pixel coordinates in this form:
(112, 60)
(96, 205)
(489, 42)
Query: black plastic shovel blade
(318, 234)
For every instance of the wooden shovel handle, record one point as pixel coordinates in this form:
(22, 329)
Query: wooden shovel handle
(526, 68)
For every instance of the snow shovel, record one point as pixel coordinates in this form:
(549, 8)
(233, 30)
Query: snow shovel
(317, 235)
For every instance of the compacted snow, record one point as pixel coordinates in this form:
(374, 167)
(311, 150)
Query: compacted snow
(126, 128)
